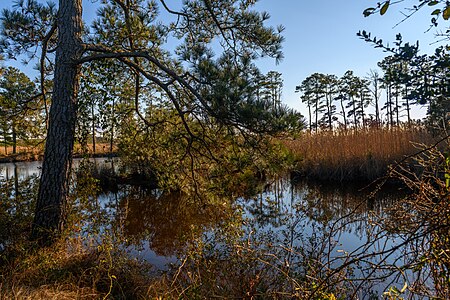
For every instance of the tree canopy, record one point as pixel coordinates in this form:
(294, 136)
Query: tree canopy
(197, 58)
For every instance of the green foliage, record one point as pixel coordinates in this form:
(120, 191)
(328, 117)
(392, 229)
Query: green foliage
(394, 293)
(446, 13)
(411, 9)
(426, 78)
(224, 90)
(412, 78)
(20, 116)
(106, 102)
(193, 158)
(25, 28)
(321, 91)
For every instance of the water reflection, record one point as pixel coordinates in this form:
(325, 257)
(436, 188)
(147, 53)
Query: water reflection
(24, 170)
(305, 226)
(20, 170)
(305, 230)
(167, 220)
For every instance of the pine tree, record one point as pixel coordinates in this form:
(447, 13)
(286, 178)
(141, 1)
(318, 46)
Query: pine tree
(129, 32)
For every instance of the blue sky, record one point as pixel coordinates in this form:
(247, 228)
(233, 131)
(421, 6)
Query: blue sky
(321, 37)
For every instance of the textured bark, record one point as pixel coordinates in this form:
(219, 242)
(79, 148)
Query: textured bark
(14, 138)
(363, 114)
(51, 207)
(408, 109)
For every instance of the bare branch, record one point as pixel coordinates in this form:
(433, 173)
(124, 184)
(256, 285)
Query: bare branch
(180, 14)
(106, 53)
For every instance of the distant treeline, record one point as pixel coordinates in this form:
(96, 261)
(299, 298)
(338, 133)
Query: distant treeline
(381, 98)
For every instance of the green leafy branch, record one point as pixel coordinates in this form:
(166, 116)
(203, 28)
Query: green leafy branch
(443, 11)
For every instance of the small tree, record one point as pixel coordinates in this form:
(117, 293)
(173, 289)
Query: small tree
(313, 90)
(375, 89)
(350, 91)
(20, 108)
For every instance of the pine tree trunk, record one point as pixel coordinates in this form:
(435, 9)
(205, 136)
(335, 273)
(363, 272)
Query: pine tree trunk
(355, 121)
(397, 107)
(343, 114)
(14, 138)
(310, 118)
(377, 109)
(51, 207)
(330, 117)
(363, 114)
(317, 114)
(389, 106)
(5, 137)
(407, 106)
(93, 128)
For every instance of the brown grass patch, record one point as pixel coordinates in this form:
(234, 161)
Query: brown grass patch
(32, 153)
(60, 292)
(100, 149)
(23, 153)
(348, 156)
(72, 270)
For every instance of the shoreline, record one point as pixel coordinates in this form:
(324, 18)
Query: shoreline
(29, 157)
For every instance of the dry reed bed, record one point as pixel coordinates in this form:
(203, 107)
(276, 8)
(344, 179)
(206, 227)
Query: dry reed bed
(23, 153)
(349, 156)
(30, 153)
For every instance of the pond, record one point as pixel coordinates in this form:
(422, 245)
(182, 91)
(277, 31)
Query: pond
(290, 231)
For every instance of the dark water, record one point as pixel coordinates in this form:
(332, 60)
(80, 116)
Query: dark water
(291, 223)
(294, 222)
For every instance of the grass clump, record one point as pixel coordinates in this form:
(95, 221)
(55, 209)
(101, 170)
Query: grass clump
(72, 270)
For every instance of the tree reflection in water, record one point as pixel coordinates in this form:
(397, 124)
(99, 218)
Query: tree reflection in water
(293, 237)
(168, 220)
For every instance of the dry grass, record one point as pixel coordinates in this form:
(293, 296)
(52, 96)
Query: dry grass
(23, 153)
(72, 270)
(31, 153)
(100, 149)
(61, 292)
(349, 156)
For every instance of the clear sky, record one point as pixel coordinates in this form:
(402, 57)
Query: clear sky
(321, 37)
